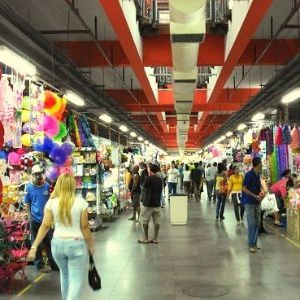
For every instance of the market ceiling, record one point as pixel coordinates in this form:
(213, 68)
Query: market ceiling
(228, 56)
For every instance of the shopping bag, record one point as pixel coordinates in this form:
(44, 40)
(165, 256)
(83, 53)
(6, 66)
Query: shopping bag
(269, 203)
(94, 278)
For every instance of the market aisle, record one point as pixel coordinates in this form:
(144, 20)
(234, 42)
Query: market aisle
(205, 254)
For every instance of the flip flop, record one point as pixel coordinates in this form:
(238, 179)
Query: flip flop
(143, 242)
(153, 242)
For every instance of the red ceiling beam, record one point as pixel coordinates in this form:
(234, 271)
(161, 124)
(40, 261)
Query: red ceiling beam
(252, 20)
(86, 54)
(115, 14)
(157, 52)
(170, 108)
(280, 52)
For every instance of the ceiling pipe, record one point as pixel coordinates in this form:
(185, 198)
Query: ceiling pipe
(283, 25)
(108, 61)
(52, 63)
(287, 78)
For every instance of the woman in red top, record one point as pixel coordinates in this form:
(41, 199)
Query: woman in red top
(280, 191)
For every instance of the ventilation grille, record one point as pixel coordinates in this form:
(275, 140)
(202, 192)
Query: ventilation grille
(184, 80)
(188, 38)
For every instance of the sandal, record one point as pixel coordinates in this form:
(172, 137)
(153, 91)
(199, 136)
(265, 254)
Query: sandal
(143, 242)
(153, 242)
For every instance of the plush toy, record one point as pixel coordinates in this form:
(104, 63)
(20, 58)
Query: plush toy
(63, 131)
(58, 155)
(45, 146)
(26, 140)
(14, 158)
(50, 100)
(25, 103)
(25, 115)
(51, 126)
(52, 173)
(27, 161)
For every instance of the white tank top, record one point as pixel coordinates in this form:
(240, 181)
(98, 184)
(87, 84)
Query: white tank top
(73, 230)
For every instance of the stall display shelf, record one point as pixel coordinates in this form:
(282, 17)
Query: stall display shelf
(122, 189)
(293, 223)
(86, 171)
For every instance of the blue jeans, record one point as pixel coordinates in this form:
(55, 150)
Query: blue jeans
(209, 187)
(172, 186)
(71, 256)
(253, 220)
(220, 205)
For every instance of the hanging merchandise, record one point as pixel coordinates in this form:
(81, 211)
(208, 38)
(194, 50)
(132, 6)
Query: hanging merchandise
(295, 140)
(269, 140)
(286, 134)
(278, 136)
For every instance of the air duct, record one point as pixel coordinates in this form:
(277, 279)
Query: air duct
(187, 27)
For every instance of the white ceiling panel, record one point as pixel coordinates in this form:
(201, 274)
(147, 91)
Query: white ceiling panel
(258, 75)
(105, 76)
(56, 15)
(279, 10)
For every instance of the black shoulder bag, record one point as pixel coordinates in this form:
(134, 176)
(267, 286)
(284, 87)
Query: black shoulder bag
(94, 278)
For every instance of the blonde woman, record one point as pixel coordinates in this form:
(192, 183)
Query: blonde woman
(72, 237)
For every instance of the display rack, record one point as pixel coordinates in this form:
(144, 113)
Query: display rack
(122, 191)
(87, 173)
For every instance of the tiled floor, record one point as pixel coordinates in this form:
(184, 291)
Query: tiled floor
(206, 257)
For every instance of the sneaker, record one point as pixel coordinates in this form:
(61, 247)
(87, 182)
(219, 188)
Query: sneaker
(222, 218)
(257, 248)
(131, 219)
(252, 250)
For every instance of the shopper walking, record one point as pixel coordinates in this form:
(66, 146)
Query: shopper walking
(187, 181)
(72, 237)
(196, 179)
(235, 186)
(36, 197)
(210, 181)
(251, 197)
(221, 190)
(173, 175)
(135, 191)
(214, 171)
(152, 190)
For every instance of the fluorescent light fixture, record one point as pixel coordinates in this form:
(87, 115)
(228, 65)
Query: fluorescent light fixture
(133, 134)
(140, 139)
(241, 126)
(74, 98)
(15, 61)
(146, 142)
(291, 96)
(258, 117)
(105, 118)
(229, 134)
(123, 128)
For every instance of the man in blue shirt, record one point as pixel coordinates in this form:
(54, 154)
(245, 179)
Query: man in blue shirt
(251, 198)
(37, 195)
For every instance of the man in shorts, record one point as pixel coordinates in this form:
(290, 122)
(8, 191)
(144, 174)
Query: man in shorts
(152, 190)
(135, 191)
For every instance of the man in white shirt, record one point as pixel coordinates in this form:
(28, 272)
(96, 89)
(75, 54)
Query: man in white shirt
(173, 175)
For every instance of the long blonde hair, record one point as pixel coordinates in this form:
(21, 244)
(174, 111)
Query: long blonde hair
(65, 191)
